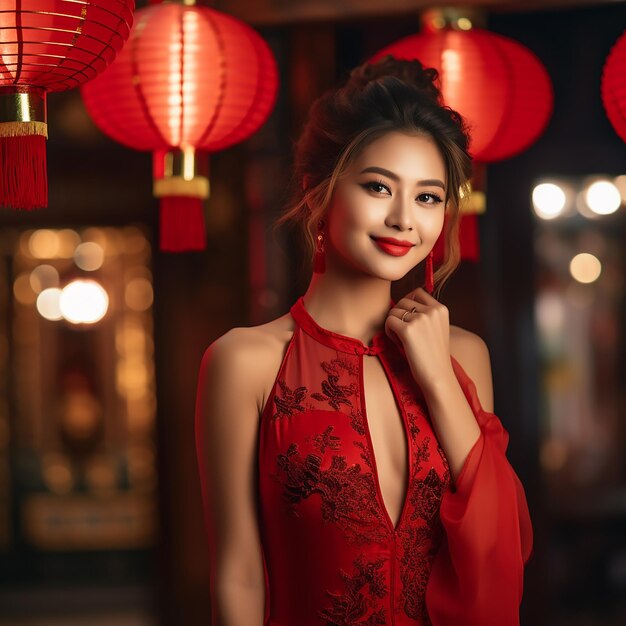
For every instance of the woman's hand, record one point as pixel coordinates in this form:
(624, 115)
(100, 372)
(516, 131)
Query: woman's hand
(424, 335)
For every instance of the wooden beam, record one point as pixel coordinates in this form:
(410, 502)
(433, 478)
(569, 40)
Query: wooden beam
(274, 12)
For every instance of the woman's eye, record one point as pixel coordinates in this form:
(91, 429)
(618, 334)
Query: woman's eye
(435, 198)
(376, 186)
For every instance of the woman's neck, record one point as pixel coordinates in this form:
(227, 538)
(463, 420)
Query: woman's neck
(355, 307)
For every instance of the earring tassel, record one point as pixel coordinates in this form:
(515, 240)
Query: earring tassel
(319, 259)
(429, 283)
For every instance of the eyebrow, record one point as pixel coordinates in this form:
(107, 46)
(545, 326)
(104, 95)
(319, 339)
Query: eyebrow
(381, 170)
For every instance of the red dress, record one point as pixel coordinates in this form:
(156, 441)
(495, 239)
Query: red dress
(331, 553)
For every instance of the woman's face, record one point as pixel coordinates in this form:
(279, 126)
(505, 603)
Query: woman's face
(405, 202)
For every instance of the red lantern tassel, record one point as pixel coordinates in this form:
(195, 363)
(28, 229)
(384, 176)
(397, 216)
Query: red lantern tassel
(181, 224)
(23, 179)
(469, 237)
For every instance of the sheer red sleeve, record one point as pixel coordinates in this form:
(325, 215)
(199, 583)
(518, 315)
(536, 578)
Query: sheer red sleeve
(477, 574)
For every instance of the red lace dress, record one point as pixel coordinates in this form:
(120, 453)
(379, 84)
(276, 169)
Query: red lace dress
(331, 553)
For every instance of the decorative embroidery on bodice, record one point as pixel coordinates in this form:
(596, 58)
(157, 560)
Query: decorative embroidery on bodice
(324, 523)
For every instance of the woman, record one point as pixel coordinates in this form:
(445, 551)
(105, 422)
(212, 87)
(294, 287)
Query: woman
(353, 470)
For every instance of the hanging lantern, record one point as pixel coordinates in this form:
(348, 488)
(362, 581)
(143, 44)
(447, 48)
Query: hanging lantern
(613, 86)
(497, 84)
(46, 46)
(499, 87)
(190, 81)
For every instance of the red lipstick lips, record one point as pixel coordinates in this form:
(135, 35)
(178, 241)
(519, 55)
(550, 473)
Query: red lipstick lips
(395, 247)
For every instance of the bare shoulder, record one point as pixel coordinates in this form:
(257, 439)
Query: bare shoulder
(231, 382)
(463, 338)
(472, 353)
(254, 353)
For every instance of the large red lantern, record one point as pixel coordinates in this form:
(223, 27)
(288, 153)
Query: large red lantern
(46, 46)
(613, 86)
(190, 81)
(500, 87)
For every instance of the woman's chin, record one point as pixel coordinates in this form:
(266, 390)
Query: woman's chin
(390, 274)
(393, 268)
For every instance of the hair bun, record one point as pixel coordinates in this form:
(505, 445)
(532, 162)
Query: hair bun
(409, 71)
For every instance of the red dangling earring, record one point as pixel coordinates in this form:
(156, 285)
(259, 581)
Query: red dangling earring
(429, 282)
(319, 260)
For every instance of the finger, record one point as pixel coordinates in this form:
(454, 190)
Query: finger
(391, 331)
(395, 323)
(408, 304)
(421, 295)
(397, 328)
(398, 312)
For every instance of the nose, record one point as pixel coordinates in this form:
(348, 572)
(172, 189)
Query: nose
(401, 213)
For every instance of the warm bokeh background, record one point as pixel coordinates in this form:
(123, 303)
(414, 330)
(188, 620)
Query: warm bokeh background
(100, 508)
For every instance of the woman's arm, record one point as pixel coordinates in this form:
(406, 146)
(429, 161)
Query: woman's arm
(226, 425)
(454, 420)
(477, 575)
(426, 339)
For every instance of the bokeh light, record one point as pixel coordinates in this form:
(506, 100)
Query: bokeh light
(43, 277)
(67, 239)
(57, 473)
(138, 294)
(550, 313)
(89, 256)
(44, 244)
(603, 197)
(48, 304)
(548, 200)
(585, 267)
(23, 290)
(83, 302)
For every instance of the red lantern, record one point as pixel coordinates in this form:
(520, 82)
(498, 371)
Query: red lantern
(613, 86)
(46, 46)
(500, 86)
(190, 81)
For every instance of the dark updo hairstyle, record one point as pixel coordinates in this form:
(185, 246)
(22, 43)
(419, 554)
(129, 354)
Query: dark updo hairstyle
(390, 95)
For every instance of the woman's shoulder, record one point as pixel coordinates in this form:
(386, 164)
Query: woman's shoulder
(262, 336)
(472, 353)
(258, 350)
(257, 345)
(464, 339)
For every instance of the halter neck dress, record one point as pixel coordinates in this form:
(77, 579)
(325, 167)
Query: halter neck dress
(331, 553)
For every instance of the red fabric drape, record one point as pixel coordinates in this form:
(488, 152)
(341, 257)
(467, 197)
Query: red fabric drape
(477, 575)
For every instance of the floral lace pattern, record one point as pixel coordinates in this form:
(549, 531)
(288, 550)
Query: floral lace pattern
(416, 556)
(348, 496)
(361, 602)
(332, 392)
(290, 402)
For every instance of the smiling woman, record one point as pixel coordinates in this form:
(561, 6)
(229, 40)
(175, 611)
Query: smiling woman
(337, 144)
(352, 474)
